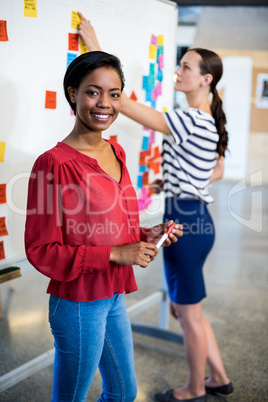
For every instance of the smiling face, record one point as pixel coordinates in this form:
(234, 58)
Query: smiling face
(188, 77)
(97, 99)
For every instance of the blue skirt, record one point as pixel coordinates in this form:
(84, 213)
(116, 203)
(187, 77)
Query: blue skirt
(184, 260)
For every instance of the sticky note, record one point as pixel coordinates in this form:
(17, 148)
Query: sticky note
(161, 61)
(83, 47)
(3, 31)
(133, 96)
(152, 137)
(153, 40)
(153, 104)
(152, 67)
(165, 109)
(142, 168)
(160, 39)
(160, 75)
(159, 88)
(2, 251)
(157, 152)
(73, 42)
(30, 8)
(3, 198)
(145, 143)
(139, 181)
(148, 96)
(145, 178)
(2, 151)
(151, 82)
(145, 82)
(113, 138)
(51, 100)
(160, 50)
(70, 58)
(152, 52)
(3, 228)
(75, 20)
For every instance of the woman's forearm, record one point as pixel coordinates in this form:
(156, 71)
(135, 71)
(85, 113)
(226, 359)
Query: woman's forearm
(144, 115)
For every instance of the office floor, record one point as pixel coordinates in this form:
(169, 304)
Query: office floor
(237, 305)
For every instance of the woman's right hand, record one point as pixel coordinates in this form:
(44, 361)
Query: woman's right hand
(87, 33)
(140, 253)
(157, 186)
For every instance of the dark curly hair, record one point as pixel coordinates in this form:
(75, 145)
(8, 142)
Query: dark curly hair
(84, 65)
(211, 64)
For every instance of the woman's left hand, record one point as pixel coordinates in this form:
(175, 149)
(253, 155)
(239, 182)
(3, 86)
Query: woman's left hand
(156, 232)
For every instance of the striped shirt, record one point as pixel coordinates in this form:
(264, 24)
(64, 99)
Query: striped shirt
(189, 155)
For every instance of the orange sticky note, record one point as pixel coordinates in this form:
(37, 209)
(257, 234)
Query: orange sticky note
(2, 251)
(157, 152)
(145, 178)
(133, 96)
(3, 228)
(3, 30)
(73, 41)
(3, 198)
(51, 100)
(113, 138)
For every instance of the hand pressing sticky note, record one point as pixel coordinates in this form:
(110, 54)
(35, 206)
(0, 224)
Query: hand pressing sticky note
(3, 31)
(2, 151)
(75, 21)
(51, 100)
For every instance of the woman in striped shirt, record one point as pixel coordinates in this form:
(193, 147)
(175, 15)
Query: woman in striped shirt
(194, 145)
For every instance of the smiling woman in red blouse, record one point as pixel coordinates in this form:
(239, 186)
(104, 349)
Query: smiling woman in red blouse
(82, 231)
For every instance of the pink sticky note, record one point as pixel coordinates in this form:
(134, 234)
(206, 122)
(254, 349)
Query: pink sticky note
(154, 40)
(161, 61)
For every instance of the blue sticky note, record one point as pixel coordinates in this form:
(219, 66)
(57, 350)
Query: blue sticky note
(145, 143)
(160, 75)
(142, 168)
(139, 181)
(145, 82)
(148, 97)
(70, 58)
(153, 104)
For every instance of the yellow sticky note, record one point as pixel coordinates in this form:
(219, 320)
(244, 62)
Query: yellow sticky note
(30, 8)
(152, 51)
(160, 40)
(2, 151)
(75, 21)
(83, 47)
(164, 109)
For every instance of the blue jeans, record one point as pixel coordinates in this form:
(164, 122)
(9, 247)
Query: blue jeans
(88, 335)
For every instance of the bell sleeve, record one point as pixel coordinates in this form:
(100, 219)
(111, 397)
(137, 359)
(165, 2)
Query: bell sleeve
(44, 240)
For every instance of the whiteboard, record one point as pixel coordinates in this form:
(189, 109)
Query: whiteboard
(34, 60)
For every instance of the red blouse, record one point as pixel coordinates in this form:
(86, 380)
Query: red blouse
(75, 213)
